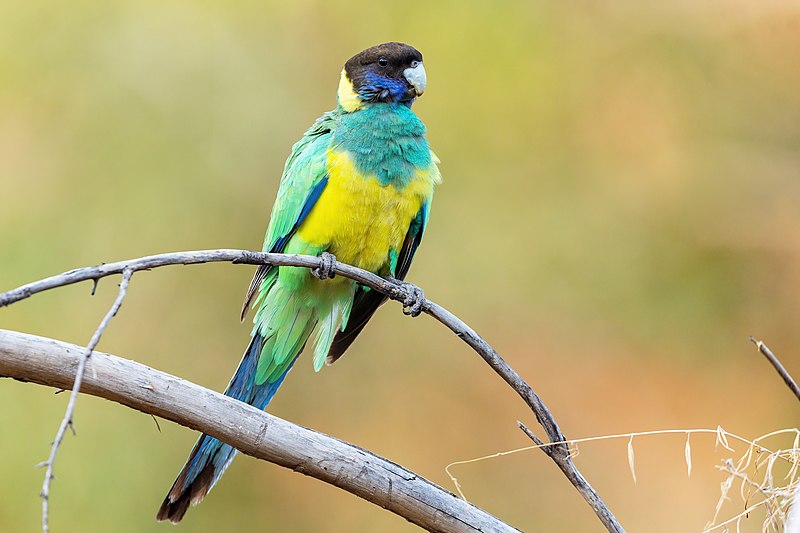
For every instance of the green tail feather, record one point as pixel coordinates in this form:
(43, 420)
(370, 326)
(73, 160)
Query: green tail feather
(335, 321)
(287, 318)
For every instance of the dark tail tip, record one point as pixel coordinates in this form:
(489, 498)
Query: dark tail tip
(180, 495)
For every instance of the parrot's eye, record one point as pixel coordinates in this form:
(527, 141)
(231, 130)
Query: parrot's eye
(383, 61)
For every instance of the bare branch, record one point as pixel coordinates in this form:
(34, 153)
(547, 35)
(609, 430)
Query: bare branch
(66, 422)
(766, 352)
(559, 452)
(53, 363)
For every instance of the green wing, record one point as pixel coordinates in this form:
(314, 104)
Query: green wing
(303, 179)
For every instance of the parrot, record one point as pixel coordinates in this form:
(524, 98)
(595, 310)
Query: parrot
(356, 188)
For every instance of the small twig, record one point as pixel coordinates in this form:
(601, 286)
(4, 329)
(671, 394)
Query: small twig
(766, 352)
(66, 422)
(546, 448)
(559, 452)
(393, 290)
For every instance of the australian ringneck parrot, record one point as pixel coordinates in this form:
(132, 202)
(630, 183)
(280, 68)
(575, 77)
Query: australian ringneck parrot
(358, 186)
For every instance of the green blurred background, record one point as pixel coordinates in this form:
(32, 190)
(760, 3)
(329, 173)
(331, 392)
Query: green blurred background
(619, 212)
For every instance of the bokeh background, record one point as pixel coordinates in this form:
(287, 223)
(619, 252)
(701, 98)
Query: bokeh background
(619, 212)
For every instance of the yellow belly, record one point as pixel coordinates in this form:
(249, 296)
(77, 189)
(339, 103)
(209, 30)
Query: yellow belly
(359, 220)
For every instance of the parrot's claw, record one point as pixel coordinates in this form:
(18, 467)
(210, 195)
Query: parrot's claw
(414, 298)
(327, 266)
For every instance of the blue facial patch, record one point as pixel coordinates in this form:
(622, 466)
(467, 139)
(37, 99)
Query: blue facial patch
(375, 83)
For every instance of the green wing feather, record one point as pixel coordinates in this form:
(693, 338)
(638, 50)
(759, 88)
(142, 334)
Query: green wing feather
(283, 320)
(302, 176)
(304, 169)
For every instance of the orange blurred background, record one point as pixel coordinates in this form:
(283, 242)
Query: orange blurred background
(619, 213)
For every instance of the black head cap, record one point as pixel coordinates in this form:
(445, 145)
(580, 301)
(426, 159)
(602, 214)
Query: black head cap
(397, 56)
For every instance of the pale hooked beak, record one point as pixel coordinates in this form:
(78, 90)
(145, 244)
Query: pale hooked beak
(415, 75)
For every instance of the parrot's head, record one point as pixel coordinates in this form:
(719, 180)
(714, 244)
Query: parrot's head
(388, 72)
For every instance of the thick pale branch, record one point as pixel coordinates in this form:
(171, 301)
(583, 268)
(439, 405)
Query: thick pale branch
(254, 432)
(559, 453)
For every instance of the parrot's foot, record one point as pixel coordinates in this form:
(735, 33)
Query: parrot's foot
(327, 266)
(414, 298)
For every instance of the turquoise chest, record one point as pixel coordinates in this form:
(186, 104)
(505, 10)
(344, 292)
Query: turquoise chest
(384, 140)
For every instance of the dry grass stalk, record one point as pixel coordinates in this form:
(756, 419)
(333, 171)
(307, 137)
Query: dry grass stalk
(767, 478)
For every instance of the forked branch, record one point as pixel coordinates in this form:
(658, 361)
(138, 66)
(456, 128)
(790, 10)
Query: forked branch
(559, 453)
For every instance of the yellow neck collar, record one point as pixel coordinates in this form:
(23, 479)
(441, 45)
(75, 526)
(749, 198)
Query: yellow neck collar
(347, 96)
